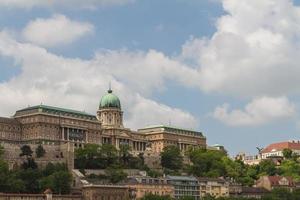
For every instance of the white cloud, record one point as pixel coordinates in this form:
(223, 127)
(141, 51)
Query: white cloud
(160, 114)
(55, 31)
(260, 111)
(58, 3)
(253, 52)
(79, 84)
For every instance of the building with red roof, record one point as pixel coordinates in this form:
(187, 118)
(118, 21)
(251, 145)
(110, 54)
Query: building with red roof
(271, 182)
(275, 149)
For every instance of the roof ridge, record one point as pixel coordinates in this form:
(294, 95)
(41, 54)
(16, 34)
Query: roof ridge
(58, 109)
(169, 126)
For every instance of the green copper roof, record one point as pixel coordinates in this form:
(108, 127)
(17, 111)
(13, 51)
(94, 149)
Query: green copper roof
(58, 111)
(174, 129)
(110, 101)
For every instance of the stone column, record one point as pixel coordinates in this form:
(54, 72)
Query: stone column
(118, 143)
(85, 132)
(139, 146)
(68, 134)
(62, 133)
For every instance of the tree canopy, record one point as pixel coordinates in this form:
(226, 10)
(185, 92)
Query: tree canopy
(93, 156)
(1, 151)
(26, 151)
(171, 158)
(40, 151)
(31, 179)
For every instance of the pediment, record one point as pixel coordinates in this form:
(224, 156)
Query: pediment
(123, 134)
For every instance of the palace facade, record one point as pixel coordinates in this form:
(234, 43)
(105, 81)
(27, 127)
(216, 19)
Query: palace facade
(61, 130)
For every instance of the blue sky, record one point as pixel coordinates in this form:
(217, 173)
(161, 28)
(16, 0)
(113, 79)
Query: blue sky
(168, 61)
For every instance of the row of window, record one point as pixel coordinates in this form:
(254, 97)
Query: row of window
(59, 120)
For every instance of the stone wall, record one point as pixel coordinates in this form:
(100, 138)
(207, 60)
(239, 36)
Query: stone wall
(109, 192)
(55, 153)
(129, 172)
(38, 197)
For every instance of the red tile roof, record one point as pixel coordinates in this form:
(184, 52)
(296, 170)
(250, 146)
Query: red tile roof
(282, 145)
(274, 180)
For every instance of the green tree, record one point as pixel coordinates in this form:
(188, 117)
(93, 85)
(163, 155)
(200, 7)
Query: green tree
(40, 151)
(87, 157)
(155, 197)
(279, 194)
(290, 168)
(124, 154)
(115, 174)
(207, 163)
(4, 171)
(57, 178)
(51, 168)
(296, 194)
(171, 158)
(94, 156)
(109, 155)
(29, 164)
(187, 198)
(26, 151)
(208, 197)
(267, 167)
(46, 182)
(61, 181)
(142, 158)
(31, 180)
(154, 173)
(15, 185)
(1, 151)
(287, 153)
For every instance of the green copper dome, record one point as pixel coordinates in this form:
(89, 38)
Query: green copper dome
(110, 101)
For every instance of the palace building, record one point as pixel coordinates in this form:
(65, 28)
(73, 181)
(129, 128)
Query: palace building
(61, 130)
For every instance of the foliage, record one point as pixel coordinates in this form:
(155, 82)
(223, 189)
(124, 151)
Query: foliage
(94, 156)
(287, 153)
(51, 168)
(276, 194)
(115, 174)
(1, 151)
(108, 154)
(207, 163)
(61, 182)
(40, 151)
(29, 164)
(112, 174)
(26, 151)
(153, 173)
(187, 198)
(155, 197)
(267, 167)
(171, 158)
(210, 163)
(57, 178)
(30, 179)
(3, 175)
(290, 168)
(124, 154)
(85, 157)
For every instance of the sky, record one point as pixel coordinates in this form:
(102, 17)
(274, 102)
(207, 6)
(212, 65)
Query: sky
(227, 68)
